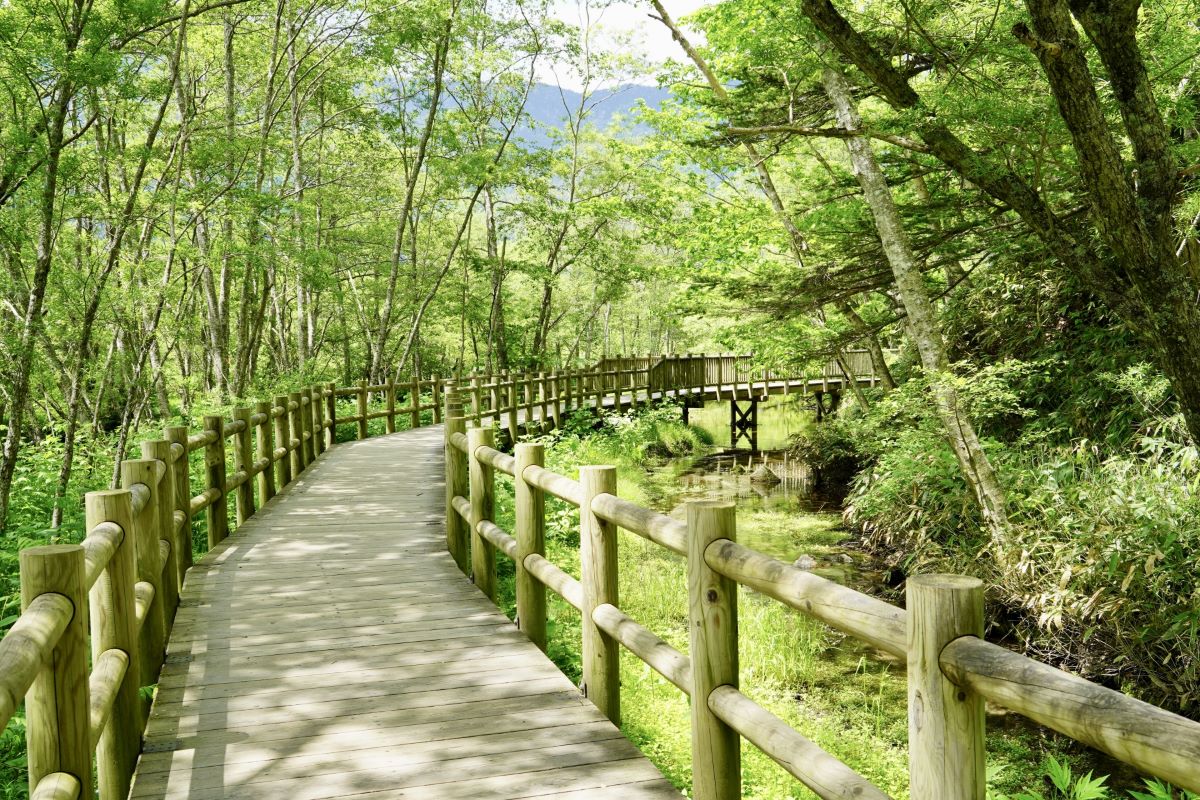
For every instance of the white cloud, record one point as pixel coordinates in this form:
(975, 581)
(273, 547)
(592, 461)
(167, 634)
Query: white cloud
(625, 28)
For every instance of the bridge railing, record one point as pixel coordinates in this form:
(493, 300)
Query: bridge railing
(111, 601)
(96, 616)
(951, 669)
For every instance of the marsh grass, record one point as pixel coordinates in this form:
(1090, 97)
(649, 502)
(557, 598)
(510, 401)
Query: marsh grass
(848, 698)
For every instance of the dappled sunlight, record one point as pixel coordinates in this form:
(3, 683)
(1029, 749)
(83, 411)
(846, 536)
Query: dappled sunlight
(331, 648)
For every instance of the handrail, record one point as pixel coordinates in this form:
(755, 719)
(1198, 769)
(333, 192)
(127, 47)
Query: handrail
(25, 648)
(138, 546)
(962, 665)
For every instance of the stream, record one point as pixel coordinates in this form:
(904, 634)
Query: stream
(781, 511)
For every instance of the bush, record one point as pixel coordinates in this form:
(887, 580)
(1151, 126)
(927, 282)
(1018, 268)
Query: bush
(1098, 572)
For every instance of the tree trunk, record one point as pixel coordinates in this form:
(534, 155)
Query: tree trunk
(922, 320)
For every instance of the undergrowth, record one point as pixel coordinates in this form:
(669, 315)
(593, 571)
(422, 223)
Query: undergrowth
(845, 697)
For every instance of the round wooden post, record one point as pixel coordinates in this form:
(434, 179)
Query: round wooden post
(306, 426)
(475, 400)
(527, 379)
(945, 722)
(57, 727)
(494, 399)
(712, 614)
(178, 434)
(164, 491)
(331, 414)
(391, 407)
(530, 512)
(318, 419)
(264, 441)
(543, 395)
(283, 438)
(362, 409)
(556, 400)
(457, 540)
(243, 461)
(514, 430)
(114, 626)
(436, 389)
(296, 427)
(483, 552)
(216, 515)
(598, 573)
(414, 401)
(149, 566)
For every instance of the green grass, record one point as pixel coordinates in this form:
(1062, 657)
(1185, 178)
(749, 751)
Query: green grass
(847, 698)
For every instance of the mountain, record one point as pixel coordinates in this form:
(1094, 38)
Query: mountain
(548, 106)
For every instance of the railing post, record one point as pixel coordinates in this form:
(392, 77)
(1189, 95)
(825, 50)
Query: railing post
(414, 399)
(556, 399)
(178, 434)
(598, 573)
(283, 437)
(57, 730)
(362, 409)
(264, 442)
(114, 627)
(514, 431)
(164, 505)
(306, 425)
(945, 722)
(457, 541)
(528, 393)
(475, 400)
(391, 406)
(243, 461)
(436, 390)
(331, 413)
(216, 515)
(543, 396)
(149, 567)
(530, 513)
(712, 611)
(317, 408)
(296, 427)
(494, 395)
(483, 552)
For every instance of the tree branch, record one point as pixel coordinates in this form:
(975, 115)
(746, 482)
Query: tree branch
(828, 133)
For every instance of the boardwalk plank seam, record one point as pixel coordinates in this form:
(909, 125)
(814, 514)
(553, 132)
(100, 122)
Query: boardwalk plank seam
(330, 648)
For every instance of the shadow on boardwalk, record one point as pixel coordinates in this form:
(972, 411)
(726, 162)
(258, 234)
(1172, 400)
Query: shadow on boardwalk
(331, 648)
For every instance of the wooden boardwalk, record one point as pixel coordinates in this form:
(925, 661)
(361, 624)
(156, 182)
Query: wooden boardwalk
(331, 648)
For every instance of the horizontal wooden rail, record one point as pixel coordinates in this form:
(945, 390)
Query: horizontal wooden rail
(138, 546)
(800, 756)
(963, 666)
(1155, 741)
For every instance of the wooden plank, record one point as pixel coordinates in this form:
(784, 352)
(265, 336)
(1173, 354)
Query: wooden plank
(412, 773)
(330, 647)
(291, 770)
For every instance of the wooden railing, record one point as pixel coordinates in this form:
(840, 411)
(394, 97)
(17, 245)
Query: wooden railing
(110, 602)
(951, 669)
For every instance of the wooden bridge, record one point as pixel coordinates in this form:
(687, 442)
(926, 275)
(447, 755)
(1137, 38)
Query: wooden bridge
(334, 646)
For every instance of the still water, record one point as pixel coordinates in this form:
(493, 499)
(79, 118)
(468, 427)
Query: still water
(780, 510)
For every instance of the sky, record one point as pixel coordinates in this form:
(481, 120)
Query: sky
(626, 27)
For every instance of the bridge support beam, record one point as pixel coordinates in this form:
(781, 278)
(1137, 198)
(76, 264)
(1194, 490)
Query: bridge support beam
(743, 422)
(835, 400)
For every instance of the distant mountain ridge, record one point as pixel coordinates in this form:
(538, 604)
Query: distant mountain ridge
(548, 107)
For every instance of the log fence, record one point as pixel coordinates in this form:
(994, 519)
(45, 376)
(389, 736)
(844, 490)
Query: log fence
(951, 669)
(96, 616)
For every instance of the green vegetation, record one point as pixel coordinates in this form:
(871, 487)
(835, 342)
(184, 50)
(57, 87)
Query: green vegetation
(848, 699)
(995, 204)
